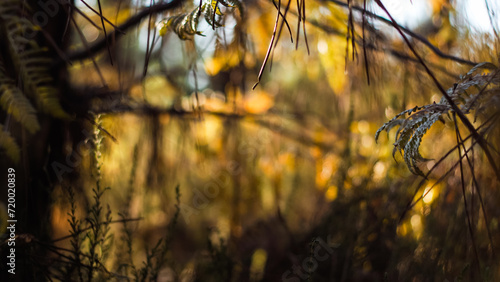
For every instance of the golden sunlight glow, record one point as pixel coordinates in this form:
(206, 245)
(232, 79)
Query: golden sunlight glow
(367, 141)
(159, 91)
(258, 102)
(259, 259)
(428, 195)
(322, 46)
(333, 63)
(215, 101)
(90, 33)
(212, 128)
(402, 230)
(416, 225)
(216, 64)
(379, 171)
(363, 127)
(331, 193)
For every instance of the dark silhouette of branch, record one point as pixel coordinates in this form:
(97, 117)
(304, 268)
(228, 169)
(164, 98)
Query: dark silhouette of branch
(407, 31)
(482, 142)
(259, 119)
(87, 228)
(132, 22)
(385, 49)
(412, 202)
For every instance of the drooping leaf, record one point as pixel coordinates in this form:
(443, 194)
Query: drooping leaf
(420, 119)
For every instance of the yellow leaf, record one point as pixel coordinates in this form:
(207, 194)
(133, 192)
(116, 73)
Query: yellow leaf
(215, 7)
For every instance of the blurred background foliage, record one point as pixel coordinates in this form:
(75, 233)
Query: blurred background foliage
(264, 172)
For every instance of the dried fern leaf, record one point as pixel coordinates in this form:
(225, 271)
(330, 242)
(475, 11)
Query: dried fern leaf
(420, 119)
(185, 25)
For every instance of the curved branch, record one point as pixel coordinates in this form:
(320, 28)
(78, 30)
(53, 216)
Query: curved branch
(386, 49)
(482, 142)
(414, 35)
(133, 21)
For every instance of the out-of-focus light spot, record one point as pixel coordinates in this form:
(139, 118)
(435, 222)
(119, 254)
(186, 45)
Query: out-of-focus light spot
(331, 193)
(435, 98)
(186, 104)
(325, 168)
(363, 127)
(316, 152)
(402, 230)
(407, 13)
(90, 33)
(322, 46)
(379, 171)
(159, 91)
(477, 15)
(216, 101)
(326, 172)
(367, 141)
(224, 227)
(389, 112)
(416, 224)
(212, 127)
(82, 6)
(259, 259)
(268, 200)
(258, 102)
(325, 11)
(428, 195)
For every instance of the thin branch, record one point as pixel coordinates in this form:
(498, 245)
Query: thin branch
(130, 23)
(85, 229)
(476, 185)
(482, 142)
(268, 53)
(365, 55)
(101, 16)
(386, 49)
(463, 191)
(407, 31)
(108, 45)
(412, 202)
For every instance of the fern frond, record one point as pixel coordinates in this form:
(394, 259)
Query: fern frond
(31, 64)
(185, 25)
(10, 146)
(13, 101)
(420, 119)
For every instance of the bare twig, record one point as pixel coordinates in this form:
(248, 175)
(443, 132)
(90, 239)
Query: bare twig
(482, 142)
(130, 23)
(463, 191)
(406, 31)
